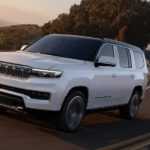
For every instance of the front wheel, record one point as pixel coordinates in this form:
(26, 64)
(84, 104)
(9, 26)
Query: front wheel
(72, 112)
(131, 109)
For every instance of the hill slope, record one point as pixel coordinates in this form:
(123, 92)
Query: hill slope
(13, 37)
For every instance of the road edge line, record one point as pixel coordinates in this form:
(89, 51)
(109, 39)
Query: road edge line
(125, 142)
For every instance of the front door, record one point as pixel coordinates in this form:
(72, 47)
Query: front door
(105, 82)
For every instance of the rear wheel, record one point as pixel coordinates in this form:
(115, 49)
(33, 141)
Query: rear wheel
(131, 109)
(72, 112)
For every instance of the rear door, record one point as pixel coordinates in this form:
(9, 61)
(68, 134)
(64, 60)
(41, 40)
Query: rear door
(126, 76)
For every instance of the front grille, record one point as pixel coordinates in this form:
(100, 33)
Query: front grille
(11, 100)
(14, 70)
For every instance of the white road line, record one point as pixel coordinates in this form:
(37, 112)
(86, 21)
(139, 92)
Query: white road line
(138, 146)
(126, 142)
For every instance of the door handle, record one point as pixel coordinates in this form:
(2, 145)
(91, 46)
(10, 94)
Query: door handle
(115, 75)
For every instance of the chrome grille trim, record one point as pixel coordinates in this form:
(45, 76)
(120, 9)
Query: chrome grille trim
(14, 70)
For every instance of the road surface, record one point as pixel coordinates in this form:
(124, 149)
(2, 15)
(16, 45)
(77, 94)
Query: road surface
(103, 130)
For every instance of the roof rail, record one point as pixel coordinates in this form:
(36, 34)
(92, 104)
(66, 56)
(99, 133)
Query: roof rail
(121, 43)
(115, 41)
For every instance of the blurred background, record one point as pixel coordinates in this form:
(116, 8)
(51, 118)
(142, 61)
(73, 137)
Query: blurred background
(22, 21)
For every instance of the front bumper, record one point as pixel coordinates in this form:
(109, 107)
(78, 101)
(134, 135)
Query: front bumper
(55, 88)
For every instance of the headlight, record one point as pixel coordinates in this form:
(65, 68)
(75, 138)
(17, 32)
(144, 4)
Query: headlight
(46, 73)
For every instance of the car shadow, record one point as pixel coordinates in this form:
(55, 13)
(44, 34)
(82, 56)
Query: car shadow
(98, 129)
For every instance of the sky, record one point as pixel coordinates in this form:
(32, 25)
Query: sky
(33, 11)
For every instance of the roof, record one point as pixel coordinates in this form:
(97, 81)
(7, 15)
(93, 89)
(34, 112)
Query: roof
(105, 40)
(77, 36)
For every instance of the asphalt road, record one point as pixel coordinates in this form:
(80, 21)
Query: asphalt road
(23, 132)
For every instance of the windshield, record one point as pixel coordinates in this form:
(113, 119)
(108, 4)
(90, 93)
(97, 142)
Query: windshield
(66, 46)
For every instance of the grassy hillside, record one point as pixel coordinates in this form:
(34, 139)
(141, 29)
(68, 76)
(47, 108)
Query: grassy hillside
(13, 37)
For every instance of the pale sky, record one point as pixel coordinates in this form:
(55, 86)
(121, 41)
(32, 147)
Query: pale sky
(33, 11)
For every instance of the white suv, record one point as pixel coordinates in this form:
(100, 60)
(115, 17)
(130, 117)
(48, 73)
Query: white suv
(71, 74)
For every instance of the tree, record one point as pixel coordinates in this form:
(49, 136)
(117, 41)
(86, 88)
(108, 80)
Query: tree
(124, 20)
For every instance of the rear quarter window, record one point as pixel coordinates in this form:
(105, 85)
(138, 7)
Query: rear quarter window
(124, 57)
(139, 60)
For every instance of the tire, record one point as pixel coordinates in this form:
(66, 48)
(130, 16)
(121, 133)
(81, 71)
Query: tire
(3, 110)
(72, 113)
(131, 109)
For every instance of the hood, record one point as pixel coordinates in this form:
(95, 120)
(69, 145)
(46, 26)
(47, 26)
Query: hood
(36, 60)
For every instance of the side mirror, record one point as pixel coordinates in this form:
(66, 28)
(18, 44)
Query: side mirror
(105, 61)
(23, 47)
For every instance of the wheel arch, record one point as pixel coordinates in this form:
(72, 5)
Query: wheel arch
(83, 89)
(139, 89)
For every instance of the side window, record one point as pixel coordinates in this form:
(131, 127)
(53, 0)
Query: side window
(107, 50)
(124, 57)
(139, 60)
